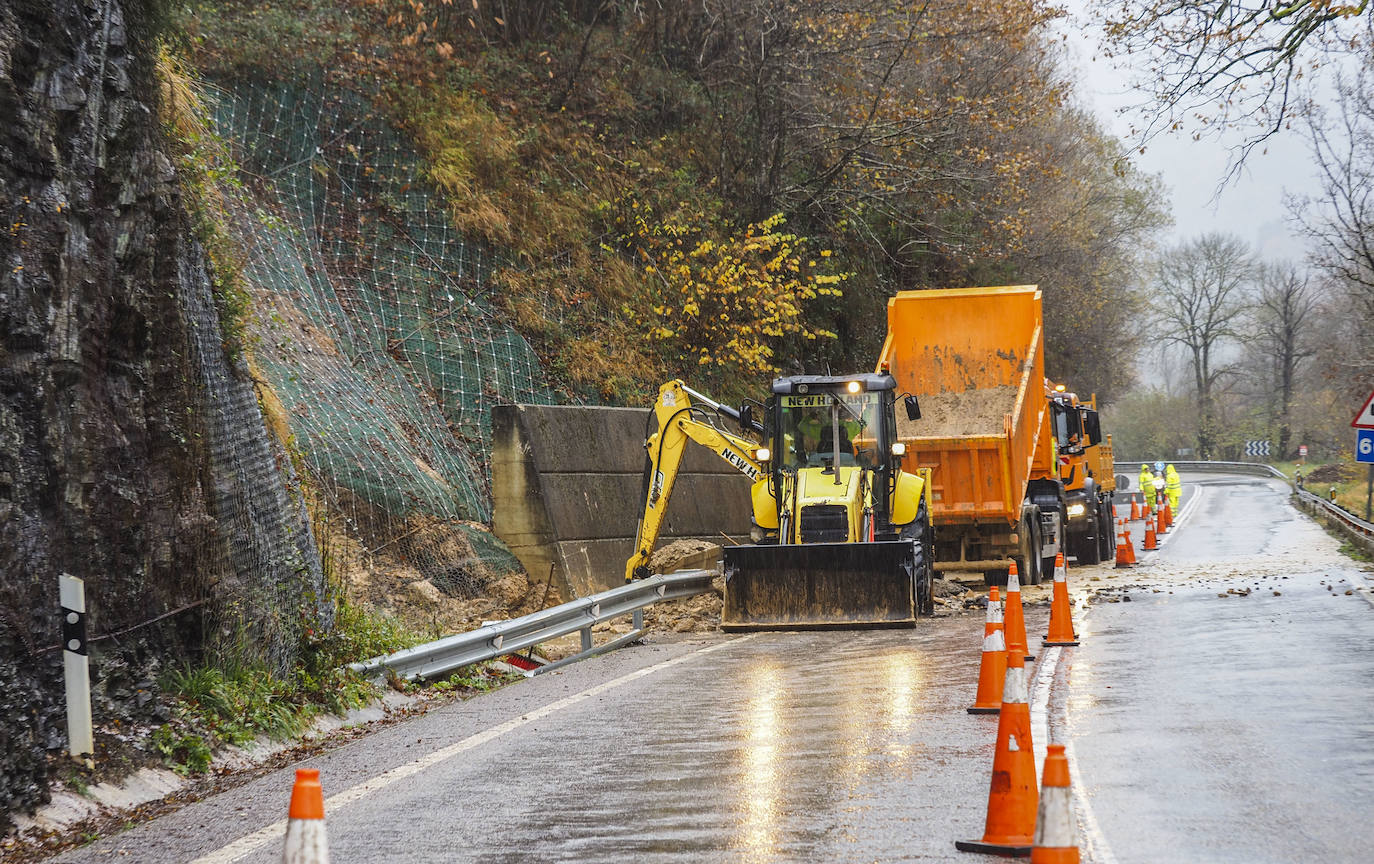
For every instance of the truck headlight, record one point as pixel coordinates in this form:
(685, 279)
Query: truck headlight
(1077, 510)
(898, 448)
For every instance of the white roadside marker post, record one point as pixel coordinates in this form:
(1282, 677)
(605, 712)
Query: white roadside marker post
(76, 669)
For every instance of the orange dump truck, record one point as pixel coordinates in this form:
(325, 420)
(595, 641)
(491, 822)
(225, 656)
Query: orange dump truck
(974, 358)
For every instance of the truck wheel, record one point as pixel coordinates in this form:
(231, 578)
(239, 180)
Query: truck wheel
(1047, 563)
(1029, 564)
(1106, 534)
(1089, 551)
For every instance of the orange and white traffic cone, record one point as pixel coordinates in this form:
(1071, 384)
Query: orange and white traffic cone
(1010, 827)
(1168, 513)
(1135, 509)
(1015, 618)
(1125, 552)
(305, 838)
(992, 673)
(1150, 541)
(1061, 618)
(1054, 835)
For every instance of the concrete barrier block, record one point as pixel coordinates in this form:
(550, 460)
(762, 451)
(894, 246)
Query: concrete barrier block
(567, 486)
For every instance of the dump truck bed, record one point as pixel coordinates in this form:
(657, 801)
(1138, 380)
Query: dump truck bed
(975, 359)
(1105, 469)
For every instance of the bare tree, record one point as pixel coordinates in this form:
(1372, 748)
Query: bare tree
(1338, 222)
(1200, 286)
(1282, 320)
(1232, 62)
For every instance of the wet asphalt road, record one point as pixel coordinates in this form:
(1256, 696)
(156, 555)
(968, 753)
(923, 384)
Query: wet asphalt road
(803, 747)
(1203, 729)
(1234, 728)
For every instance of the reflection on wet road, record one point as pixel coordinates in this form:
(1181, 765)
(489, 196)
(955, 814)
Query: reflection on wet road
(814, 746)
(1233, 727)
(840, 746)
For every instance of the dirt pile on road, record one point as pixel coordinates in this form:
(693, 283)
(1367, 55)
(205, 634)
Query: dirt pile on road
(972, 412)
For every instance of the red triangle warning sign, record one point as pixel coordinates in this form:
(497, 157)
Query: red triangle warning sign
(1365, 419)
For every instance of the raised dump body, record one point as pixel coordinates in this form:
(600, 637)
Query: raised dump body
(975, 359)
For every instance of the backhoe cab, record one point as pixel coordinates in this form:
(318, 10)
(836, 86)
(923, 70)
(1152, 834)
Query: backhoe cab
(841, 535)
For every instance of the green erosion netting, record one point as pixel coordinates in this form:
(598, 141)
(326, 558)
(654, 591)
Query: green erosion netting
(371, 322)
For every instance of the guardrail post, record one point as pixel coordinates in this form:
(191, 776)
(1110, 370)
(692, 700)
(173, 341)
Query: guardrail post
(586, 638)
(637, 618)
(76, 669)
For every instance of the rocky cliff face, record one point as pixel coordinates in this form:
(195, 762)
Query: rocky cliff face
(132, 450)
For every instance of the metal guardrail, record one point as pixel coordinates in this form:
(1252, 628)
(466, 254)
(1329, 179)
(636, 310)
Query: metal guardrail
(1258, 468)
(438, 658)
(1348, 520)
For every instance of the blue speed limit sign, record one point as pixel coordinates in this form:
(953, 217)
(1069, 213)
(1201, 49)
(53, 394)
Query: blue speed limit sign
(1364, 445)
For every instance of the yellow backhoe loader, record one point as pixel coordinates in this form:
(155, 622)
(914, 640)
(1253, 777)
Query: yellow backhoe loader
(842, 535)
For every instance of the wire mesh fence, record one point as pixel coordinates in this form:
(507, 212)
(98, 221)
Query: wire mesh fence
(373, 325)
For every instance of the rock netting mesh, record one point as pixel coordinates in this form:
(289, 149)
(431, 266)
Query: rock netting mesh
(373, 324)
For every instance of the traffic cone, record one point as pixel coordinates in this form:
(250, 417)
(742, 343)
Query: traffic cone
(1135, 509)
(1010, 827)
(1061, 618)
(1054, 835)
(1168, 513)
(992, 673)
(1150, 541)
(305, 838)
(1015, 619)
(1125, 552)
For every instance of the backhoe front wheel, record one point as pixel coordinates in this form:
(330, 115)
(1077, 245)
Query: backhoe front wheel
(922, 535)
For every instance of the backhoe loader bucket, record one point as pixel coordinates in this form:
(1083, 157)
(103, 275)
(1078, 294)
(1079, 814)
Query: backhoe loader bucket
(817, 586)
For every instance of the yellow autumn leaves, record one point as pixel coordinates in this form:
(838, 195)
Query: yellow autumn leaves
(715, 295)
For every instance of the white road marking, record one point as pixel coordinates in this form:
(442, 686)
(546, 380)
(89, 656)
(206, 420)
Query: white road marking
(1040, 702)
(252, 842)
(1188, 509)
(1098, 851)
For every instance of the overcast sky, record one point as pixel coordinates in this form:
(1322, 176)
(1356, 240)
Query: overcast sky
(1251, 206)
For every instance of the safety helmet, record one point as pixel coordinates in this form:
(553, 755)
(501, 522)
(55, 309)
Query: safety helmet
(1144, 467)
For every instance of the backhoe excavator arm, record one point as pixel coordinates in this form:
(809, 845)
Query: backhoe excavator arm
(678, 410)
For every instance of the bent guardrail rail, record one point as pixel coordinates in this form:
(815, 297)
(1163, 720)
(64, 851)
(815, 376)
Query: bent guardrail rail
(434, 659)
